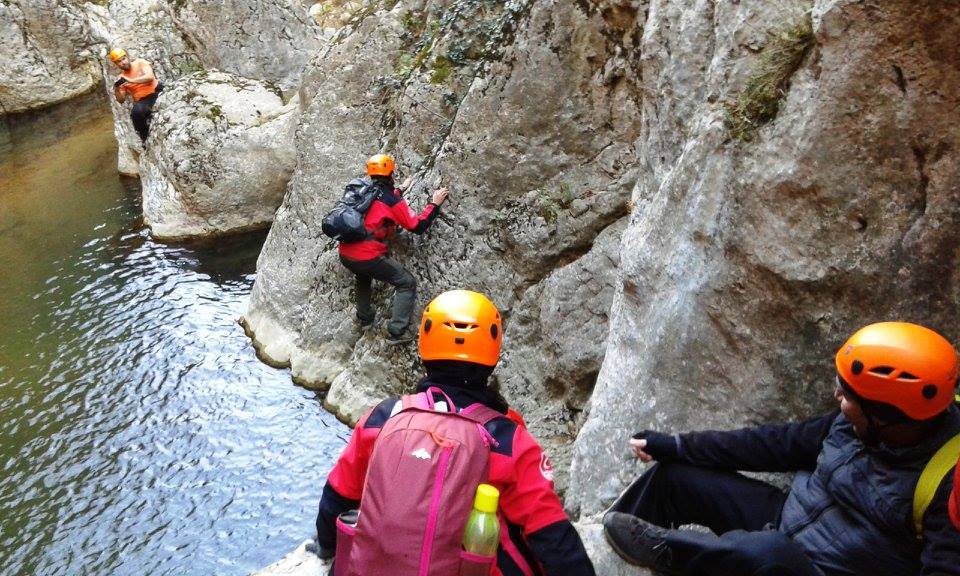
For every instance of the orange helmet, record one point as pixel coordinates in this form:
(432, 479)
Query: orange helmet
(116, 54)
(380, 165)
(904, 365)
(461, 325)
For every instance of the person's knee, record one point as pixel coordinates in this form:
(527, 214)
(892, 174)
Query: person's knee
(770, 553)
(406, 281)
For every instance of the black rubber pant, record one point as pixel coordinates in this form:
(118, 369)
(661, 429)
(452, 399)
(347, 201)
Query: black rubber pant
(389, 271)
(142, 113)
(740, 509)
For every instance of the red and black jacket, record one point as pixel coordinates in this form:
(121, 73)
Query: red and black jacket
(386, 212)
(539, 539)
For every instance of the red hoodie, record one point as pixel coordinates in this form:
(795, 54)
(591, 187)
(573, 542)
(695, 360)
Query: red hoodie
(381, 220)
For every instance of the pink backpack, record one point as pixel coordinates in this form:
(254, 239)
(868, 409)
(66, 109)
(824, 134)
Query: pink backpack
(423, 474)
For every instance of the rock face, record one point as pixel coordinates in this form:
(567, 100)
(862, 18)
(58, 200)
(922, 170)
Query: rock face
(270, 40)
(538, 197)
(746, 264)
(219, 156)
(46, 54)
(144, 28)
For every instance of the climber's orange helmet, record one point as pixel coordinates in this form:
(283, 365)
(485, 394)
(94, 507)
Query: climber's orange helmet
(461, 325)
(380, 165)
(904, 365)
(117, 54)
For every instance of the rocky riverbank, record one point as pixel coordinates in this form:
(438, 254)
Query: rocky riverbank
(681, 207)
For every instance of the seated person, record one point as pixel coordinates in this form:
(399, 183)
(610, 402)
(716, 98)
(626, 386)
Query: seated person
(850, 508)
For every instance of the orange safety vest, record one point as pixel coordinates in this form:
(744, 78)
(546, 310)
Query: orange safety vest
(138, 91)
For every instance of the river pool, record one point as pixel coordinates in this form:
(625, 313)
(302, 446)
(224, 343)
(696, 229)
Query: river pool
(139, 434)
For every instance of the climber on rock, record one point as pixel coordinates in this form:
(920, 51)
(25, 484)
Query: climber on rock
(136, 79)
(400, 454)
(368, 259)
(870, 494)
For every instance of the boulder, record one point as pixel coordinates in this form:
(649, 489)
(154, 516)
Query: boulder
(47, 55)
(218, 158)
(300, 562)
(751, 256)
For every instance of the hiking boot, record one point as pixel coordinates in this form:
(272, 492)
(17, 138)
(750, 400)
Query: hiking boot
(639, 542)
(402, 338)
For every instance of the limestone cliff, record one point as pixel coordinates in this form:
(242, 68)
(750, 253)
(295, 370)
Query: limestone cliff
(46, 56)
(747, 261)
(533, 127)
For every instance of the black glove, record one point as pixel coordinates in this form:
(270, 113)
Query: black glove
(119, 82)
(659, 445)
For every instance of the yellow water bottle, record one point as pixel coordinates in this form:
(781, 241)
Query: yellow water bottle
(481, 537)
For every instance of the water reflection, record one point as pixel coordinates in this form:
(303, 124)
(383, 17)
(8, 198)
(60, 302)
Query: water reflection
(138, 432)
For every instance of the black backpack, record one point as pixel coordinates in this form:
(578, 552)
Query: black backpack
(345, 221)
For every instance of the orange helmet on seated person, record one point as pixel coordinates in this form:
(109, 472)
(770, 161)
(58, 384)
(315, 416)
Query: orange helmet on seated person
(461, 325)
(900, 364)
(117, 54)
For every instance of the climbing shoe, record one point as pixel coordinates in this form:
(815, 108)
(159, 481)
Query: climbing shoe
(402, 338)
(366, 324)
(639, 542)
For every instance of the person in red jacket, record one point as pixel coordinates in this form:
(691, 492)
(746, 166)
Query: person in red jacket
(459, 341)
(368, 258)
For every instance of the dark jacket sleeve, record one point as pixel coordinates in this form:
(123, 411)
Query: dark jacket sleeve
(559, 549)
(331, 506)
(766, 448)
(941, 540)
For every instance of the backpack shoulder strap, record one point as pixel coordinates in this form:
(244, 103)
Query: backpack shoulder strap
(931, 477)
(480, 414)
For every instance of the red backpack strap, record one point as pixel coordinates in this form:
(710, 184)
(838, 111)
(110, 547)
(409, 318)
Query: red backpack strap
(412, 401)
(451, 407)
(480, 414)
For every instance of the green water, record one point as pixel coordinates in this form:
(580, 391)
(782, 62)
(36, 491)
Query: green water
(138, 432)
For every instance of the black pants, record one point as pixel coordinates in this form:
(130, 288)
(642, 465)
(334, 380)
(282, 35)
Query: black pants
(142, 113)
(389, 271)
(737, 508)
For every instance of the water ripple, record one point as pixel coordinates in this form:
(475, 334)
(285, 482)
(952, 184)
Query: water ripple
(138, 432)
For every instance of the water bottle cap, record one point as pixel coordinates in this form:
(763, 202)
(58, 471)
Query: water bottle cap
(487, 498)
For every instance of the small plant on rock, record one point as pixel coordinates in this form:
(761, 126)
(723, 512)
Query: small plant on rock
(759, 101)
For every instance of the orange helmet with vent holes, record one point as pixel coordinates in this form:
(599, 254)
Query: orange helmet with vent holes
(380, 165)
(904, 365)
(461, 325)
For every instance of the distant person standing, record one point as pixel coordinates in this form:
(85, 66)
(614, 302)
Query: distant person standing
(137, 80)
